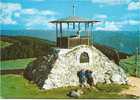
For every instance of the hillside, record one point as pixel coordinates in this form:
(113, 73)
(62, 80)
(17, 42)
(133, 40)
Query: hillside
(123, 41)
(131, 66)
(111, 53)
(15, 64)
(4, 44)
(24, 47)
(30, 47)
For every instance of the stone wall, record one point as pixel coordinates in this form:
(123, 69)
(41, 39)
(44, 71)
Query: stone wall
(66, 66)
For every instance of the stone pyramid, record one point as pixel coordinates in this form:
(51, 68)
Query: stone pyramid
(59, 68)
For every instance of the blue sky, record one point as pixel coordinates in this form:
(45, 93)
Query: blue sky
(115, 15)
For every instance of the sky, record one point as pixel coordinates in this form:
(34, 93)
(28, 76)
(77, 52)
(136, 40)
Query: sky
(115, 15)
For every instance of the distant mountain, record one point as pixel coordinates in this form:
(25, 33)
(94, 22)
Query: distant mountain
(123, 41)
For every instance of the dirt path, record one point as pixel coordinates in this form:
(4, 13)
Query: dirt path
(134, 88)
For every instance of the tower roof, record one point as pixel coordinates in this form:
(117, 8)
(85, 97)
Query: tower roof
(74, 19)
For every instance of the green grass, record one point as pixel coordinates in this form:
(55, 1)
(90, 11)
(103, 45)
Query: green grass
(15, 64)
(111, 87)
(130, 67)
(4, 44)
(15, 86)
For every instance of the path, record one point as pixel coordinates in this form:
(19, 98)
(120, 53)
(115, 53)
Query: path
(134, 89)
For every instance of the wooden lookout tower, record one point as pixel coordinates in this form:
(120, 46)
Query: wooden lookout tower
(72, 31)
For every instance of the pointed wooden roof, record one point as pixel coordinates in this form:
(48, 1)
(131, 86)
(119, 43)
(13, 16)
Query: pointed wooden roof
(73, 19)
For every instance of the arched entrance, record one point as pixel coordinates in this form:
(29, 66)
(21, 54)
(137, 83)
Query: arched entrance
(84, 57)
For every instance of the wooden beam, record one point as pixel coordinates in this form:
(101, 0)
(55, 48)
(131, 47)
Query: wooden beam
(56, 33)
(92, 32)
(56, 30)
(85, 27)
(88, 25)
(61, 34)
(61, 28)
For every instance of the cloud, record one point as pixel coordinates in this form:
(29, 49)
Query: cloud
(7, 12)
(134, 5)
(100, 16)
(31, 18)
(10, 6)
(108, 26)
(33, 11)
(48, 12)
(134, 22)
(7, 20)
(38, 0)
(29, 11)
(38, 19)
(111, 2)
(39, 22)
(128, 22)
(17, 14)
(116, 25)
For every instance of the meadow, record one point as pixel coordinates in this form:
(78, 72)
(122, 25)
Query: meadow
(16, 86)
(15, 64)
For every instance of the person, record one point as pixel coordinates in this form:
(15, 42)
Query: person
(82, 78)
(94, 78)
(89, 77)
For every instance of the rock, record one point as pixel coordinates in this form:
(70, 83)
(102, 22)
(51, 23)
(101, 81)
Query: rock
(60, 67)
(74, 93)
(107, 79)
(116, 78)
(38, 70)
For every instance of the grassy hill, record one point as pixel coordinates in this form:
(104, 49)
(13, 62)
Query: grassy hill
(31, 47)
(24, 47)
(130, 66)
(4, 44)
(15, 64)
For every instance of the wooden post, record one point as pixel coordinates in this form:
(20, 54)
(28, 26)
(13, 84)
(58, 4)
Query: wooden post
(68, 29)
(56, 34)
(60, 34)
(68, 26)
(88, 33)
(136, 62)
(92, 33)
(85, 27)
(73, 25)
(79, 26)
(61, 28)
